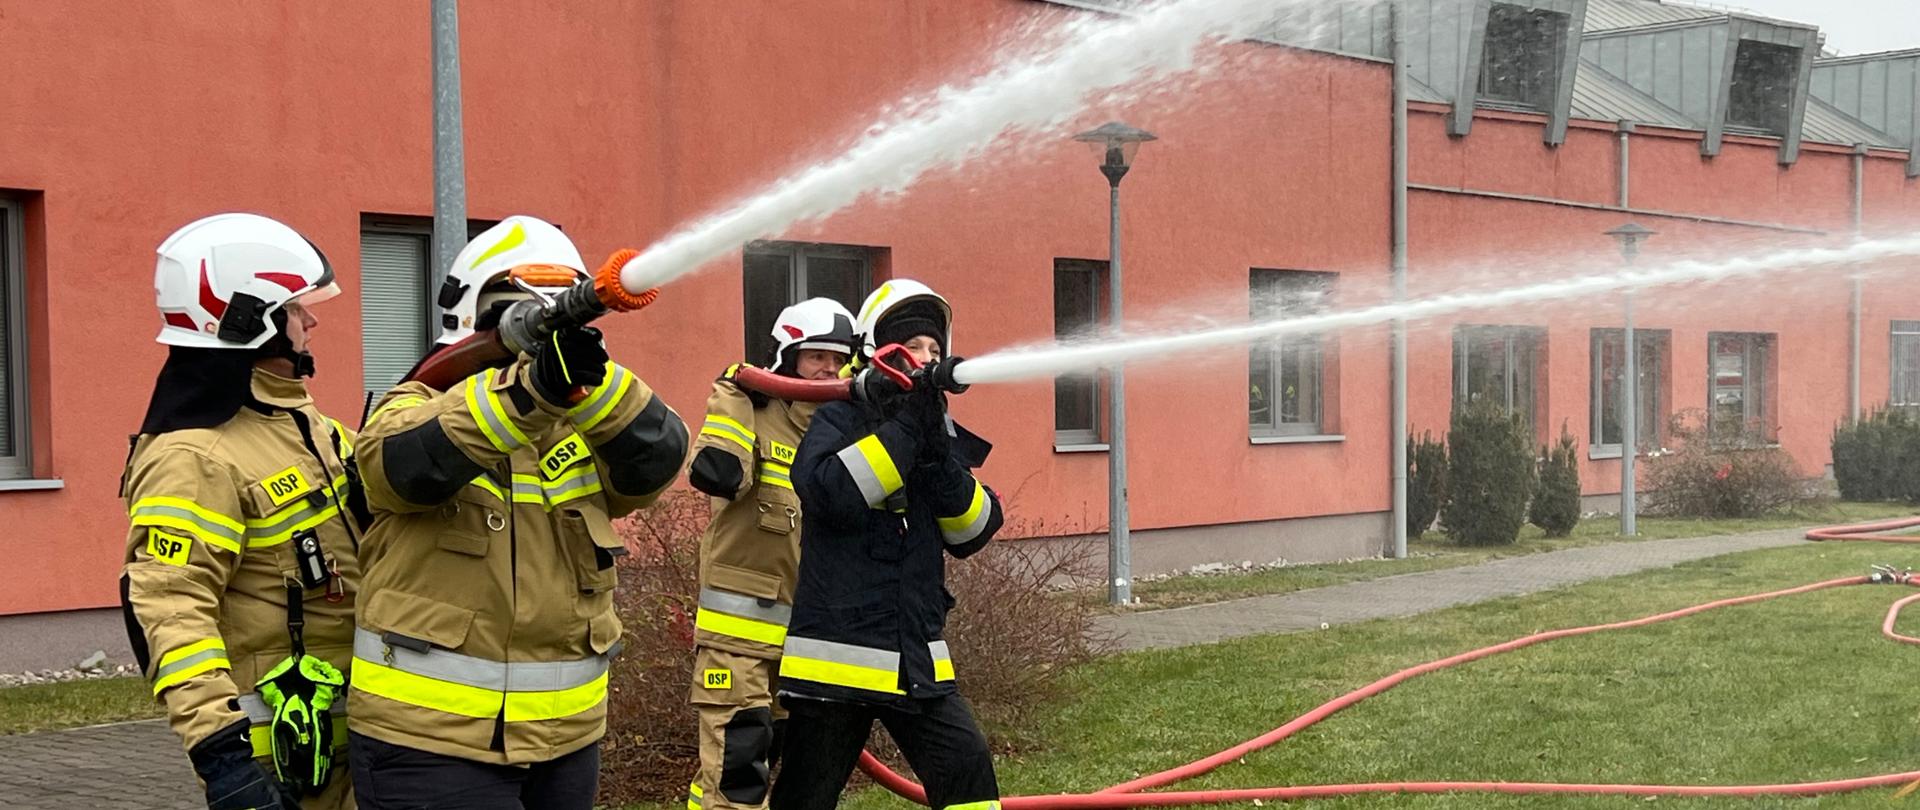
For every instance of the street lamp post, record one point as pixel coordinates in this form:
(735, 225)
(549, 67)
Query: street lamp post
(1116, 144)
(1630, 236)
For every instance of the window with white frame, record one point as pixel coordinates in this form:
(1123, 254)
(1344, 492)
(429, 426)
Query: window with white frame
(780, 274)
(1904, 362)
(1079, 309)
(1498, 364)
(1285, 395)
(397, 323)
(1523, 53)
(1740, 388)
(16, 450)
(1609, 374)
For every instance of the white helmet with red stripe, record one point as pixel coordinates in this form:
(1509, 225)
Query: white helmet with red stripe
(816, 323)
(220, 279)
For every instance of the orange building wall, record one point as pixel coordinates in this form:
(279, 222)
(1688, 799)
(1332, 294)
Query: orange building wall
(127, 120)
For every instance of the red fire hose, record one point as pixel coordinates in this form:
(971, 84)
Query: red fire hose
(1869, 531)
(1128, 794)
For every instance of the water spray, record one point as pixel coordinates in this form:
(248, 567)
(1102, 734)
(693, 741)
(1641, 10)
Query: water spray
(1055, 359)
(1031, 93)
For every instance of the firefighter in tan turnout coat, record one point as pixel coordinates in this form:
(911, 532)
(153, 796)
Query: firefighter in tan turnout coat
(750, 554)
(486, 621)
(240, 571)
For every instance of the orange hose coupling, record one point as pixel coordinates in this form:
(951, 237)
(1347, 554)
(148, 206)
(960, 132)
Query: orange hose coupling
(607, 287)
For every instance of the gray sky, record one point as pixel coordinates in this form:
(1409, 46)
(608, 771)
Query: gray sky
(1851, 26)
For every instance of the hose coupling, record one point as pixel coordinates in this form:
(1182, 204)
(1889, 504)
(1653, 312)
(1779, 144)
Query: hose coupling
(1888, 574)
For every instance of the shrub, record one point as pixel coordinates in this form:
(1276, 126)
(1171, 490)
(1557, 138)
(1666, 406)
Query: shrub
(1013, 633)
(1877, 458)
(1556, 503)
(651, 747)
(1724, 478)
(1426, 482)
(1490, 472)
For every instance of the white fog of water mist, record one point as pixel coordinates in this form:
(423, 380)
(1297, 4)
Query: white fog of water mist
(1031, 92)
(1052, 360)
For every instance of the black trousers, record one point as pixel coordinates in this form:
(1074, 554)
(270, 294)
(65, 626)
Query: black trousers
(395, 777)
(941, 741)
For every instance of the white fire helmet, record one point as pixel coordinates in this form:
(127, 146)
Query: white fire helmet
(532, 250)
(816, 323)
(220, 279)
(904, 298)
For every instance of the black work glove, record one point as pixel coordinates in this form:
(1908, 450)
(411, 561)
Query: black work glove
(929, 407)
(875, 388)
(234, 781)
(569, 361)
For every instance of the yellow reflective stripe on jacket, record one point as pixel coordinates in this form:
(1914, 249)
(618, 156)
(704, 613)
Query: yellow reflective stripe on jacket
(729, 429)
(777, 474)
(469, 686)
(600, 404)
(573, 484)
(179, 513)
(969, 524)
(397, 404)
(837, 664)
(491, 414)
(375, 678)
(182, 663)
(532, 489)
(742, 617)
(299, 516)
(340, 435)
(872, 469)
(989, 805)
(942, 660)
(696, 798)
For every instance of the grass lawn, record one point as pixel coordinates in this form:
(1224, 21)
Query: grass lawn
(79, 703)
(1436, 552)
(1797, 689)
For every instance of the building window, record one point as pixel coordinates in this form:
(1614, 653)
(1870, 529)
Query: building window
(781, 274)
(1079, 308)
(397, 308)
(1760, 96)
(1498, 364)
(16, 452)
(1904, 359)
(1285, 374)
(1609, 360)
(1524, 49)
(1740, 387)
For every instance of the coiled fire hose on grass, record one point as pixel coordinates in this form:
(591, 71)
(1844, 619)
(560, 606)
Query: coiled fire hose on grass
(1129, 794)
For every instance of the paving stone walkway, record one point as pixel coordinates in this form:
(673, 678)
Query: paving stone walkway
(138, 766)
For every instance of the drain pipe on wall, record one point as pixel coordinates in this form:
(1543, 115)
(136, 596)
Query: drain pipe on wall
(1854, 306)
(1626, 151)
(1399, 273)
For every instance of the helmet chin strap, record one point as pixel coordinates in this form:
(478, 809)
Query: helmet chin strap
(280, 346)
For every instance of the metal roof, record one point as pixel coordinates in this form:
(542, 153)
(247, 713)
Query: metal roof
(1607, 15)
(1600, 96)
(1827, 124)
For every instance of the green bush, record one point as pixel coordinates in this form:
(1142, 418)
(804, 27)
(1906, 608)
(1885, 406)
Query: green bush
(1723, 478)
(1426, 482)
(1490, 472)
(1878, 458)
(1556, 503)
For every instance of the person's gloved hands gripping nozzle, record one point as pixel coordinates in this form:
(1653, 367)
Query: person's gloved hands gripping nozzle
(568, 364)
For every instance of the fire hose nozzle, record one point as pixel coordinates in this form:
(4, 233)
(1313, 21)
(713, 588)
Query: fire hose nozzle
(1889, 574)
(940, 375)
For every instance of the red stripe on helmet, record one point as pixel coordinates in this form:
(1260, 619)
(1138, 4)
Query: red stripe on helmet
(181, 320)
(290, 281)
(208, 301)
